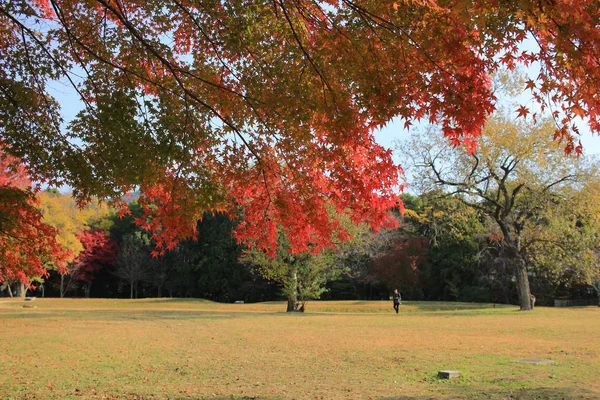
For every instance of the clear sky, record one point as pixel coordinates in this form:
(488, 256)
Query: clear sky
(395, 130)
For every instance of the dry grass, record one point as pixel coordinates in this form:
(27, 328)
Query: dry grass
(190, 349)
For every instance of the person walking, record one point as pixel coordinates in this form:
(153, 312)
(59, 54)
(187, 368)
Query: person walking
(397, 299)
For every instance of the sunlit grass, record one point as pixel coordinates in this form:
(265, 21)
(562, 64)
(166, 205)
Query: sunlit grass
(190, 349)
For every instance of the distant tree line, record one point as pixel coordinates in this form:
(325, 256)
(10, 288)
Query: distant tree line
(444, 250)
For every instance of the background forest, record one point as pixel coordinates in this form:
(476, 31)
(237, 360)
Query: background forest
(444, 250)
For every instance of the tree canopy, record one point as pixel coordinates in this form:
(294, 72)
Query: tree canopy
(268, 107)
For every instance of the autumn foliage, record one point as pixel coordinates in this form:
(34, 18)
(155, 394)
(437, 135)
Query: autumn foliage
(266, 109)
(99, 250)
(26, 243)
(402, 265)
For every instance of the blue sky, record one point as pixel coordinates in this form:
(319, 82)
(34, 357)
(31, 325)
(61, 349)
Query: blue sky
(395, 130)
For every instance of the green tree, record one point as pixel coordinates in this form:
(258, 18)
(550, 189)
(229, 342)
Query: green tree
(453, 230)
(209, 266)
(520, 179)
(303, 276)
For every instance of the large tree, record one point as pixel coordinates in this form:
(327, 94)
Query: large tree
(270, 105)
(520, 179)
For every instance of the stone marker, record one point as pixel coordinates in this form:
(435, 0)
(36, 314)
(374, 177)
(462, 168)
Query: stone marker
(239, 302)
(535, 361)
(448, 374)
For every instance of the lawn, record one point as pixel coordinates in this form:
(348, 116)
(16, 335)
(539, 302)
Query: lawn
(195, 349)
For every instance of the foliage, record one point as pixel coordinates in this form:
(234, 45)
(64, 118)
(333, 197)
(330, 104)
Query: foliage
(26, 242)
(302, 276)
(99, 250)
(270, 106)
(355, 255)
(453, 230)
(532, 196)
(214, 257)
(399, 268)
(61, 212)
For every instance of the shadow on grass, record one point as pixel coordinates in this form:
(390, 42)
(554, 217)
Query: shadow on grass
(119, 315)
(461, 393)
(174, 300)
(508, 394)
(454, 306)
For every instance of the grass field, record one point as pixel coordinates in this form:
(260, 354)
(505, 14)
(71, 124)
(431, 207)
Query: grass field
(194, 349)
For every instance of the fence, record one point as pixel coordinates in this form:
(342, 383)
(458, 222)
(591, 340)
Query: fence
(575, 303)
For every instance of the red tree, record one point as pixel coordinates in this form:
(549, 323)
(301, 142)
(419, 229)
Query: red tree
(399, 267)
(26, 243)
(99, 250)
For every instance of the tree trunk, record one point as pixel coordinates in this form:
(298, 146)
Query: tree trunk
(62, 285)
(131, 290)
(88, 288)
(43, 290)
(292, 289)
(21, 290)
(523, 286)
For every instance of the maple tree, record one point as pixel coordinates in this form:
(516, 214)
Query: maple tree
(99, 250)
(26, 242)
(399, 267)
(269, 107)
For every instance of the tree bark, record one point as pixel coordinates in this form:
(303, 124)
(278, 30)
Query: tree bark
(523, 286)
(292, 304)
(159, 294)
(21, 290)
(62, 285)
(131, 290)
